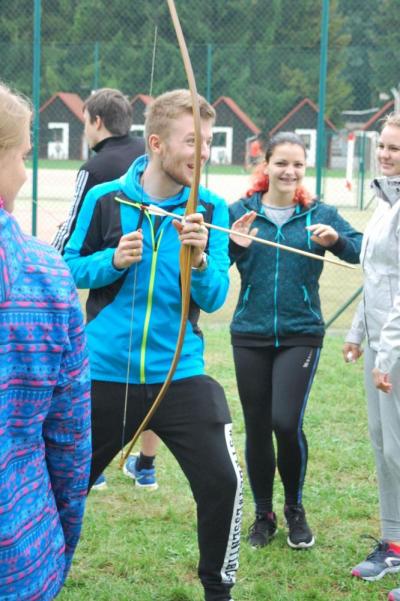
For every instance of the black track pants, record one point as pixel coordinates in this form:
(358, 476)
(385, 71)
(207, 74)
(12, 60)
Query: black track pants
(274, 385)
(193, 422)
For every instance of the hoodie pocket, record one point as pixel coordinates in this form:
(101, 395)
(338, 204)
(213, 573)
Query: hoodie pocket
(243, 303)
(307, 301)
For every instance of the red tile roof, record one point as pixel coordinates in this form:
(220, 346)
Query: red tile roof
(386, 107)
(72, 101)
(145, 98)
(238, 112)
(294, 110)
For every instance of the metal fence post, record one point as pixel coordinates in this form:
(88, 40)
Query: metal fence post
(361, 172)
(322, 94)
(36, 109)
(96, 64)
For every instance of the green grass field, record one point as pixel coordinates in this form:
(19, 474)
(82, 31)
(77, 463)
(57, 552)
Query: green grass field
(142, 546)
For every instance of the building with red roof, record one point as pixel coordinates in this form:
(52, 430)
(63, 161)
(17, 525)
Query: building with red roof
(375, 122)
(139, 103)
(303, 119)
(61, 127)
(232, 132)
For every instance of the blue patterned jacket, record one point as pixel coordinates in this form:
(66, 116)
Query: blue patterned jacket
(45, 438)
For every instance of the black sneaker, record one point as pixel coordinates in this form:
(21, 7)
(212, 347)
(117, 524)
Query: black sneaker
(299, 535)
(262, 530)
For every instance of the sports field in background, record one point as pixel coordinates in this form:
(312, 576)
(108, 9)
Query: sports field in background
(56, 188)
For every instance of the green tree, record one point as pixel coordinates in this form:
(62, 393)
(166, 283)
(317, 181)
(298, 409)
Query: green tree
(384, 47)
(357, 64)
(285, 60)
(264, 55)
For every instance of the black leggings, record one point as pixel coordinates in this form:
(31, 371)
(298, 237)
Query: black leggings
(274, 385)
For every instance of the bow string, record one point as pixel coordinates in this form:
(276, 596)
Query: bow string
(185, 257)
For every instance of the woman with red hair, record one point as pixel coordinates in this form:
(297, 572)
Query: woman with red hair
(277, 328)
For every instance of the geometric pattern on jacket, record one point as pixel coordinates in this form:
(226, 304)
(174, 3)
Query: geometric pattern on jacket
(45, 436)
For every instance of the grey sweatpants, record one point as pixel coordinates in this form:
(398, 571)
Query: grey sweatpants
(384, 429)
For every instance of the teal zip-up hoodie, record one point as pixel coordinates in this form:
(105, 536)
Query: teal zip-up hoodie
(279, 295)
(154, 282)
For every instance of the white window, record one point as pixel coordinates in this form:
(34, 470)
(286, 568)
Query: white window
(309, 137)
(58, 144)
(221, 149)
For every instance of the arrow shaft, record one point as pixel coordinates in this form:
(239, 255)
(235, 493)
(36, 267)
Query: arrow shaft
(211, 226)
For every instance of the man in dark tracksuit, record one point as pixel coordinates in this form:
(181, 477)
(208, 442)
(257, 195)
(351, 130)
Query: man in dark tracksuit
(119, 250)
(108, 118)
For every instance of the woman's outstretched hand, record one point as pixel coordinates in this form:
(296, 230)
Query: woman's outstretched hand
(243, 226)
(323, 234)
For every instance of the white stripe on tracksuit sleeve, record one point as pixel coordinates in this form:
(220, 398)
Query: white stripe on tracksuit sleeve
(64, 232)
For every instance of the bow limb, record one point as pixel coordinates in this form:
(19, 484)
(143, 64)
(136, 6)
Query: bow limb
(185, 258)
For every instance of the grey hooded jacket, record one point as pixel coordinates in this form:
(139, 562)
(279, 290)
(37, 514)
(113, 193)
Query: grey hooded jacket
(378, 314)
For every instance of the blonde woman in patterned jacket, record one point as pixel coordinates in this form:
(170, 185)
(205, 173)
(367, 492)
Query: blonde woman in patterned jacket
(378, 321)
(45, 439)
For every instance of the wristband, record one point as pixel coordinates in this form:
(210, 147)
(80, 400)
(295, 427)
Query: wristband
(203, 263)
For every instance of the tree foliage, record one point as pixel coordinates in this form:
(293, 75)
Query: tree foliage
(263, 55)
(384, 47)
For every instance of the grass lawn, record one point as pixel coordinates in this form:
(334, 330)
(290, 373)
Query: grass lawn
(139, 546)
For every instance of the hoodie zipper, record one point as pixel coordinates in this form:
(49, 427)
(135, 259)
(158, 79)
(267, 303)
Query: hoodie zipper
(362, 265)
(279, 235)
(276, 279)
(155, 242)
(149, 303)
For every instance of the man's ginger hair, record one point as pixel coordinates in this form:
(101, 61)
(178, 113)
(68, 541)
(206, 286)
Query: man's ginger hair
(168, 107)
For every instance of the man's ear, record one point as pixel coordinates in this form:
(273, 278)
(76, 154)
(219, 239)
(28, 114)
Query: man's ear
(154, 143)
(98, 122)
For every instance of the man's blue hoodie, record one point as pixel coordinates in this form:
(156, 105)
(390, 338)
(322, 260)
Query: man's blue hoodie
(149, 290)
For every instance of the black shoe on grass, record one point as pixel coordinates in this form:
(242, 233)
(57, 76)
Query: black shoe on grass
(262, 530)
(299, 535)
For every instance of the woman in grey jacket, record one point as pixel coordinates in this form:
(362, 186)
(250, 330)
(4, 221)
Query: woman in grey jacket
(377, 319)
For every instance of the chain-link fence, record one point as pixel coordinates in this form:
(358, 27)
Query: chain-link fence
(258, 62)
